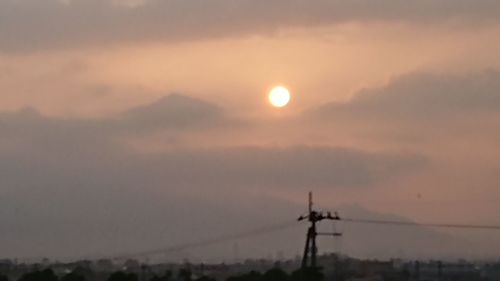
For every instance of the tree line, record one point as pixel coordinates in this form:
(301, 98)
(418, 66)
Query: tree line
(275, 274)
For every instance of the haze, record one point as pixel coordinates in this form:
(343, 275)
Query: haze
(130, 125)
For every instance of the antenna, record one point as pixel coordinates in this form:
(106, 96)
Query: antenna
(310, 249)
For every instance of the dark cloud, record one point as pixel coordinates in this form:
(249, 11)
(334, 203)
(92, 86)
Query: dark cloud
(29, 24)
(173, 112)
(420, 98)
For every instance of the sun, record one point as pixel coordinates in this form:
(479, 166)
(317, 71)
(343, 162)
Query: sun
(279, 96)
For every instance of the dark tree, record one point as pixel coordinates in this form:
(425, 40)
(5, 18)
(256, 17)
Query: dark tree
(122, 276)
(275, 274)
(251, 276)
(168, 275)
(308, 274)
(184, 274)
(73, 276)
(44, 275)
(205, 278)
(165, 277)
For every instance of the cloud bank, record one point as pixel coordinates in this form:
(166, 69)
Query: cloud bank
(420, 98)
(34, 25)
(58, 174)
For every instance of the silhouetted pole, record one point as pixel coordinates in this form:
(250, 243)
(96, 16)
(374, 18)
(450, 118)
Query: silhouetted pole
(310, 248)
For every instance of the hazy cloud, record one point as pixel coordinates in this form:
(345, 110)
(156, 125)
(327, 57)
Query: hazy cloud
(32, 134)
(173, 112)
(29, 24)
(420, 97)
(74, 185)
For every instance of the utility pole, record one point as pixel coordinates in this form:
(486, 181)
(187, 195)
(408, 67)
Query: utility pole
(310, 249)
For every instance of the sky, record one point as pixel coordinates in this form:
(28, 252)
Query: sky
(132, 125)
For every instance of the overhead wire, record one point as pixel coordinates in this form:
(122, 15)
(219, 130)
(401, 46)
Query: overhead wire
(289, 224)
(409, 223)
(212, 241)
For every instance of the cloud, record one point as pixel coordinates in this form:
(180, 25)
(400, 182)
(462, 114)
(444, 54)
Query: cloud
(34, 25)
(170, 113)
(420, 98)
(292, 167)
(58, 174)
(36, 137)
(173, 112)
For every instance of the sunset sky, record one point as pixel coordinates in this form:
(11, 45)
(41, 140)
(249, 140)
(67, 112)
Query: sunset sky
(129, 125)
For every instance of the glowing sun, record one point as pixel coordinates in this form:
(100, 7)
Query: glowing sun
(279, 96)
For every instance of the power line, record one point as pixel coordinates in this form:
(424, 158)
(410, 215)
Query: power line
(406, 223)
(289, 224)
(207, 242)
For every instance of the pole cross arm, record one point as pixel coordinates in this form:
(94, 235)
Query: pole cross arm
(301, 218)
(336, 234)
(320, 216)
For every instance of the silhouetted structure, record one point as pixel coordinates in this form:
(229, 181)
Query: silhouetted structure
(310, 249)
